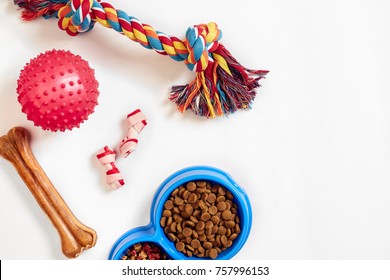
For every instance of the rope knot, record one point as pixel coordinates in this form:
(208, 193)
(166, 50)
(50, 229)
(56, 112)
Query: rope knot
(201, 41)
(75, 16)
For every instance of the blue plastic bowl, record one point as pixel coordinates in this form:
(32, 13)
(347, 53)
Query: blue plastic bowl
(153, 232)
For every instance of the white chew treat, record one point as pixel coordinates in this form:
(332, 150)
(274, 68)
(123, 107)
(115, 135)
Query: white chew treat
(114, 178)
(115, 181)
(136, 121)
(136, 117)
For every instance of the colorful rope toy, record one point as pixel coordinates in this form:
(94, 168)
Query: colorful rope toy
(221, 86)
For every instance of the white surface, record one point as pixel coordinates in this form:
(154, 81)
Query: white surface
(313, 153)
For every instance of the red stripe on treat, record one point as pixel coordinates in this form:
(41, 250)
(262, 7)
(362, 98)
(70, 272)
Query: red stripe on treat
(130, 140)
(133, 113)
(106, 152)
(113, 171)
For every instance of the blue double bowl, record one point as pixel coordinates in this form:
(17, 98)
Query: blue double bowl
(154, 233)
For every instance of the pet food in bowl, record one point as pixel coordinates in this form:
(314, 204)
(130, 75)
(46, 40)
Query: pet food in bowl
(201, 219)
(144, 251)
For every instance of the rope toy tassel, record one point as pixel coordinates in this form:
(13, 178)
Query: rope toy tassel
(33, 9)
(221, 86)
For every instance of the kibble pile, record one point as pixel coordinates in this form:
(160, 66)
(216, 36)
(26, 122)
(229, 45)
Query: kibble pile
(144, 251)
(201, 219)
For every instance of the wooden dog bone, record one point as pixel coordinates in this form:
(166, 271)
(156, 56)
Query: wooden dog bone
(75, 237)
(69, 244)
(85, 236)
(8, 151)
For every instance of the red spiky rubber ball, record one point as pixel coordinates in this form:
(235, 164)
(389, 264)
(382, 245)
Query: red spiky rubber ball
(57, 90)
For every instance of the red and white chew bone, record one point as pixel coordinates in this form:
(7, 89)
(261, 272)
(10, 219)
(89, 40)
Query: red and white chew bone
(136, 121)
(106, 157)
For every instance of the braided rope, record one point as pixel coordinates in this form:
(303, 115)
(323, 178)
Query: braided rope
(201, 40)
(221, 86)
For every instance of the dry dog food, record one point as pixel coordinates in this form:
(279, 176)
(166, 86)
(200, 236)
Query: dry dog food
(201, 219)
(144, 251)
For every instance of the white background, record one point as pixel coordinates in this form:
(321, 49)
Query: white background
(313, 153)
(278, 269)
